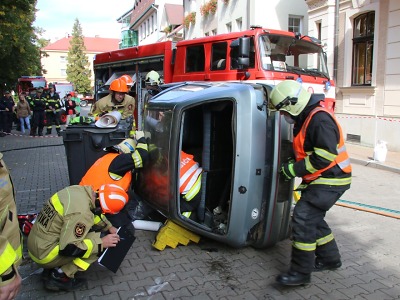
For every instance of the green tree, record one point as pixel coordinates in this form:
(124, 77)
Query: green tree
(78, 67)
(20, 48)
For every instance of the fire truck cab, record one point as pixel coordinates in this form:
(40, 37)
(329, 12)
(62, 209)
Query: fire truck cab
(238, 143)
(255, 55)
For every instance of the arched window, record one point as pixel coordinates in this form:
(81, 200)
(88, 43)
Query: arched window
(363, 48)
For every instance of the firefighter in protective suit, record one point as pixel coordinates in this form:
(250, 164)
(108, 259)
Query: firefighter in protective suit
(322, 161)
(189, 185)
(117, 168)
(66, 237)
(116, 100)
(10, 237)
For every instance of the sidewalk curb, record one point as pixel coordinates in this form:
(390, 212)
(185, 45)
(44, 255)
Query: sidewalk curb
(374, 164)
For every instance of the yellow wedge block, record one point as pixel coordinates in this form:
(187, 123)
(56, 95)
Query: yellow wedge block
(171, 234)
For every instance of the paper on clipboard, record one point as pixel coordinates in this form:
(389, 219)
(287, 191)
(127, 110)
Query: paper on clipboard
(113, 257)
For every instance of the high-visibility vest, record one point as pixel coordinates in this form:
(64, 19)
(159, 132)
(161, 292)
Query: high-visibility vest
(189, 172)
(98, 174)
(342, 159)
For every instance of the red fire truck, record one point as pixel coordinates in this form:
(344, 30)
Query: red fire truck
(257, 55)
(28, 83)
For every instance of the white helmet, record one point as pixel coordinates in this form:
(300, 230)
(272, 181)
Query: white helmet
(289, 96)
(152, 78)
(126, 146)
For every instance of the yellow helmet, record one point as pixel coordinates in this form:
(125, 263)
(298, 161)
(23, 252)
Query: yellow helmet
(152, 78)
(289, 96)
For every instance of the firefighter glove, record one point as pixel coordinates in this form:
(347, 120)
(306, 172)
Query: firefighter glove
(287, 171)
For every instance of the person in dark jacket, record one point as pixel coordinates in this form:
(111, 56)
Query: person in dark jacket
(322, 161)
(38, 105)
(7, 109)
(70, 106)
(53, 110)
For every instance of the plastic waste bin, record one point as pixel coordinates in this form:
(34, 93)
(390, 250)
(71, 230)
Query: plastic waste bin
(85, 144)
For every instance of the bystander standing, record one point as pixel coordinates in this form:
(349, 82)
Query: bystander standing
(23, 112)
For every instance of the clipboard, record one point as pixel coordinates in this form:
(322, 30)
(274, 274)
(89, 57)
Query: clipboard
(113, 257)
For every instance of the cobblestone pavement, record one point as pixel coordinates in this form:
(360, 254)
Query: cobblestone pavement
(210, 270)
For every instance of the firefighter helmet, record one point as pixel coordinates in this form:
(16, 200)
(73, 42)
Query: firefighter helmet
(112, 198)
(119, 85)
(126, 146)
(289, 96)
(128, 80)
(152, 78)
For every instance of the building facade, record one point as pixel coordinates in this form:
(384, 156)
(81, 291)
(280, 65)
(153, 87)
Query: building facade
(55, 63)
(213, 17)
(366, 65)
(159, 20)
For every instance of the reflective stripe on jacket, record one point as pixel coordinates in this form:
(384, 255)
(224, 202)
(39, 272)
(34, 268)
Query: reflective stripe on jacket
(189, 172)
(341, 159)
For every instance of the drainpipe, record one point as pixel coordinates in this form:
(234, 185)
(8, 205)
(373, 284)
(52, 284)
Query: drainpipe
(336, 41)
(157, 24)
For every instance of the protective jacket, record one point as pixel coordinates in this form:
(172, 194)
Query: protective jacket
(320, 152)
(53, 103)
(37, 104)
(189, 182)
(10, 238)
(66, 226)
(106, 104)
(99, 174)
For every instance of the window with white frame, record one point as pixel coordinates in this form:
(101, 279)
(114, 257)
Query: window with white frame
(63, 59)
(63, 72)
(363, 48)
(295, 23)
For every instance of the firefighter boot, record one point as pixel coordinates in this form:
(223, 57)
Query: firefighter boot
(33, 131)
(58, 129)
(293, 278)
(48, 131)
(59, 281)
(40, 131)
(323, 266)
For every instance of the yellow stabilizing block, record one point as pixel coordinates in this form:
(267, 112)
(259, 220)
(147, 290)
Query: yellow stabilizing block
(171, 234)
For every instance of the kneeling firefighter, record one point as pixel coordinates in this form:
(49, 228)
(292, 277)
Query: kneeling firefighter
(66, 237)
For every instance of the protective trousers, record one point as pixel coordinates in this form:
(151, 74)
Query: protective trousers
(312, 237)
(52, 118)
(70, 265)
(38, 122)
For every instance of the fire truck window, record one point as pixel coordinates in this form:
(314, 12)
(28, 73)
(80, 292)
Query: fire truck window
(218, 56)
(195, 58)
